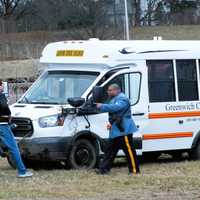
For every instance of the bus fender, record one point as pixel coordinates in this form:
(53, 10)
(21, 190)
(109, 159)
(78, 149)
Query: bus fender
(99, 142)
(196, 140)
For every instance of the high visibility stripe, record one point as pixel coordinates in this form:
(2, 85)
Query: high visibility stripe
(130, 154)
(174, 114)
(167, 135)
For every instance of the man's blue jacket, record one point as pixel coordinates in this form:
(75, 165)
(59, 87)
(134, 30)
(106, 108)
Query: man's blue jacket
(120, 105)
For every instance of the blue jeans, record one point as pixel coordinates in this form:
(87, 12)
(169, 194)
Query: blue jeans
(8, 140)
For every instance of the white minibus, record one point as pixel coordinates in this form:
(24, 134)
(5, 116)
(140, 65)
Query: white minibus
(161, 79)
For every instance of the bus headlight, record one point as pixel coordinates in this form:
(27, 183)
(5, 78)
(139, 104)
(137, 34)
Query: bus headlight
(51, 121)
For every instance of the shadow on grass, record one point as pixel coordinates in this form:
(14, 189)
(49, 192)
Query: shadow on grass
(152, 159)
(119, 162)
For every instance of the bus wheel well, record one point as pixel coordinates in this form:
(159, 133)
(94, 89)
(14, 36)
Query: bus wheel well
(195, 150)
(196, 140)
(94, 139)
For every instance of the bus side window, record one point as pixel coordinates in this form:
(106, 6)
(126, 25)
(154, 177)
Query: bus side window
(187, 80)
(161, 80)
(121, 80)
(135, 84)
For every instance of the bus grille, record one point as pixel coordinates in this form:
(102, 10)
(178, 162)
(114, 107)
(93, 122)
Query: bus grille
(24, 127)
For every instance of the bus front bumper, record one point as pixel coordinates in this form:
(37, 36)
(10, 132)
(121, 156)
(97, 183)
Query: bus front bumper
(49, 149)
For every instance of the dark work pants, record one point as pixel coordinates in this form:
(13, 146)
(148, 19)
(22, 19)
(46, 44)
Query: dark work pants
(126, 144)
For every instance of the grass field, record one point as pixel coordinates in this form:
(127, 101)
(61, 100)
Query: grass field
(164, 179)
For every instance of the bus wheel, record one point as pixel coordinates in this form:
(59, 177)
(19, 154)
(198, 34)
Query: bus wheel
(11, 161)
(83, 155)
(195, 152)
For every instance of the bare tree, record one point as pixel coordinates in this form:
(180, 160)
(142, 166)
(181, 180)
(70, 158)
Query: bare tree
(136, 12)
(153, 13)
(182, 11)
(7, 7)
(92, 18)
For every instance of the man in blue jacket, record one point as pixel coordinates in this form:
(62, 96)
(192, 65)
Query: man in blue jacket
(122, 127)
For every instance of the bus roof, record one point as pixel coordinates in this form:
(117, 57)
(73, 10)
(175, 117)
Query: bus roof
(118, 51)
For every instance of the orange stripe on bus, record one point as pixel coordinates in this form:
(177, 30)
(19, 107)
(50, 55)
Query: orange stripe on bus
(167, 135)
(174, 114)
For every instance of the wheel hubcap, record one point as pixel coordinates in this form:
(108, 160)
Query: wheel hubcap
(83, 156)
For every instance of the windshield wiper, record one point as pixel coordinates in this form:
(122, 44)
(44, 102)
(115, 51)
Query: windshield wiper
(40, 102)
(26, 100)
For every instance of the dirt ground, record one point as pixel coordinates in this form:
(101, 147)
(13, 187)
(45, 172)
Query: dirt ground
(160, 180)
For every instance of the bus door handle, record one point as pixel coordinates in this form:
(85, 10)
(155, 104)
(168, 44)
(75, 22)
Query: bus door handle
(138, 114)
(180, 121)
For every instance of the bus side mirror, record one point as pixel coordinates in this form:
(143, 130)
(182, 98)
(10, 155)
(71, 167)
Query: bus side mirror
(97, 94)
(76, 101)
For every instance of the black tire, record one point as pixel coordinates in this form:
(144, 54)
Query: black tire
(11, 161)
(27, 163)
(83, 155)
(31, 163)
(195, 152)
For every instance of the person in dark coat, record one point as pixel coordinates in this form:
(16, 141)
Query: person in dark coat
(7, 137)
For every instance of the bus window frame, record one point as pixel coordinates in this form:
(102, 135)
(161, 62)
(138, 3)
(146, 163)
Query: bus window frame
(127, 73)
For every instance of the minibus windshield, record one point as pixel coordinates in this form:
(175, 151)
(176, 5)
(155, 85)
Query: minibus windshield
(55, 87)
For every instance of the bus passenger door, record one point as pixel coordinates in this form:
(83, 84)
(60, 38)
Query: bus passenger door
(133, 83)
(138, 94)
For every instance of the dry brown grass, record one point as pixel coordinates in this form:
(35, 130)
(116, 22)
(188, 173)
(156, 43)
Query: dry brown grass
(181, 32)
(19, 69)
(159, 180)
(29, 45)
